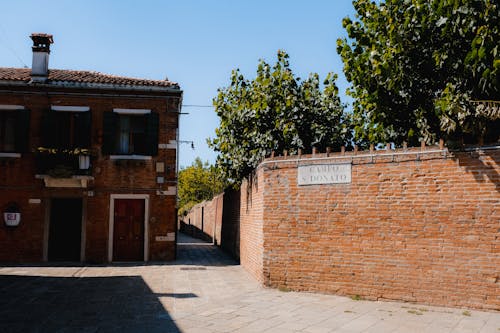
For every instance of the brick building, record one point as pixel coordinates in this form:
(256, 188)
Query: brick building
(87, 164)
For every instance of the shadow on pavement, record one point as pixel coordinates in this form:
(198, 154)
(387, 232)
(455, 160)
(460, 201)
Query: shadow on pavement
(86, 304)
(192, 251)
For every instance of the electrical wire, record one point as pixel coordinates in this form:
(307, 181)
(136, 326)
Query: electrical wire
(6, 43)
(197, 106)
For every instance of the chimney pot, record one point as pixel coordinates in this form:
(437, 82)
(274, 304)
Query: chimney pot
(41, 51)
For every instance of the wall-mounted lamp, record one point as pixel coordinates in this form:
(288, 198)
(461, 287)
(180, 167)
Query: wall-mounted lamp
(12, 215)
(191, 142)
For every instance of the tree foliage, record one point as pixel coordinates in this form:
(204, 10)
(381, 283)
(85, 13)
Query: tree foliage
(275, 111)
(198, 182)
(416, 66)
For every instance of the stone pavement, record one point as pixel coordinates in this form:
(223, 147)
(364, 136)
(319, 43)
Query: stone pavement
(203, 291)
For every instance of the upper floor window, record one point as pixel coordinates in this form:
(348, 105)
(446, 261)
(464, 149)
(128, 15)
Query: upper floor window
(131, 135)
(66, 128)
(7, 131)
(130, 132)
(14, 129)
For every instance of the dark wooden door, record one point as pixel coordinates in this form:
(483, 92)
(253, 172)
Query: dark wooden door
(128, 237)
(65, 231)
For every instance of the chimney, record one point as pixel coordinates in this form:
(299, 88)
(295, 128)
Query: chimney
(41, 51)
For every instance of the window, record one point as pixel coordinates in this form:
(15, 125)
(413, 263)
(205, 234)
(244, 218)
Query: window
(66, 130)
(130, 134)
(14, 131)
(7, 130)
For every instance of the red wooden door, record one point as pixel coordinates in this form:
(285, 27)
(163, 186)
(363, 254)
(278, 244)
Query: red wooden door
(128, 237)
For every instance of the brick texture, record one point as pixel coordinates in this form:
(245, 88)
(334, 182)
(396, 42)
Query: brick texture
(230, 228)
(418, 226)
(252, 226)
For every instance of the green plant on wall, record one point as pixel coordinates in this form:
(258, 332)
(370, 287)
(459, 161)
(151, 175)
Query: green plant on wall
(275, 111)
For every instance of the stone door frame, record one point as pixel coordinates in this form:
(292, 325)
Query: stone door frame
(112, 199)
(48, 211)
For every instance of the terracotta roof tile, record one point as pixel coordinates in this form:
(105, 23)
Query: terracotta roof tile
(71, 76)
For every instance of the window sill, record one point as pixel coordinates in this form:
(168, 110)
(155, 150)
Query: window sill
(71, 182)
(10, 155)
(38, 176)
(130, 157)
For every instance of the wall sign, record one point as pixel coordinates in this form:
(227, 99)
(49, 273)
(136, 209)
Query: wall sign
(316, 174)
(170, 237)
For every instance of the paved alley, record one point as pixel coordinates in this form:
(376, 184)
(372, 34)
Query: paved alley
(203, 291)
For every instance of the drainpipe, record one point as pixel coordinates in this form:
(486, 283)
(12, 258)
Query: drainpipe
(177, 172)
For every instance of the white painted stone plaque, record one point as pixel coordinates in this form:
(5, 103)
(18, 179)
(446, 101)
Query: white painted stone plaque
(316, 174)
(170, 237)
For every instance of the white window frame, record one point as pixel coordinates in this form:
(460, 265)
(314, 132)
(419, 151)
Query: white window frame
(9, 107)
(69, 108)
(133, 156)
(132, 111)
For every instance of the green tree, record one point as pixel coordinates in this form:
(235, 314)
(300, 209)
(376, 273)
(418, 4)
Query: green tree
(417, 66)
(198, 182)
(275, 111)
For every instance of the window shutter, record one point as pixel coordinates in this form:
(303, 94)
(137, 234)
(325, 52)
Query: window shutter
(109, 129)
(83, 123)
(49, 130)
(152, 132)
(22, 131)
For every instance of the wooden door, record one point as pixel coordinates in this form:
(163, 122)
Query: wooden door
(128, 236)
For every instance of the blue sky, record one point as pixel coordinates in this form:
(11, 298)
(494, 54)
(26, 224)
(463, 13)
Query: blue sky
(195, 43)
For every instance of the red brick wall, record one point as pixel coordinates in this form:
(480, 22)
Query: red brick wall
(18, 182)
(420, 227)
(230, 229)
(204, 220)
(215, 214)
(24, 242)
(220, 221)
(252, 226)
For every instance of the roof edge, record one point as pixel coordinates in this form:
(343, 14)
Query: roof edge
(87, 85)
